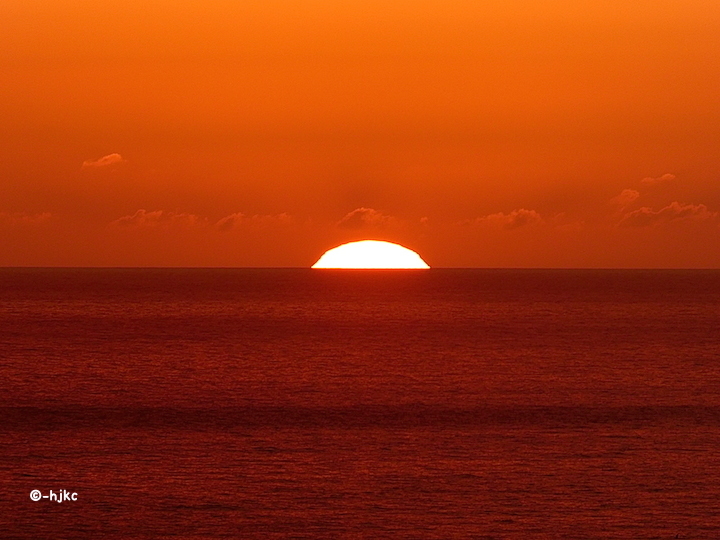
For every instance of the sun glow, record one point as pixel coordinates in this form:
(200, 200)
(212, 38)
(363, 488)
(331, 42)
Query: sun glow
(368, 254)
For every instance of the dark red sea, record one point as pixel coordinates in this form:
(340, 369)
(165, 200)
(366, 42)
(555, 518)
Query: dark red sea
(297, 403)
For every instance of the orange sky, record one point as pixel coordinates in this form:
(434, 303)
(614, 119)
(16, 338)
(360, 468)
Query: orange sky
(519, 133)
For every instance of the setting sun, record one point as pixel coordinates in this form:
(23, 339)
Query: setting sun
(368, 254)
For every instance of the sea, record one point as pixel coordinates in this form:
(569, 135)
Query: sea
(341, 404)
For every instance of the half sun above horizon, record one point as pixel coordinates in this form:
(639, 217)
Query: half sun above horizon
(371, 254)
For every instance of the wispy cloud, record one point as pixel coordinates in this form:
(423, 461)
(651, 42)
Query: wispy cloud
(362, 218)
(646, 216)
(626, 197)
(520, 217)
(22, 218)
(157, 218)
(105, 161)
(230, 222)
(238, 219)
(649, 181)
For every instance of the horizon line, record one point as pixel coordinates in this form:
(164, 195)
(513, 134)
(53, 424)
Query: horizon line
(643, 268)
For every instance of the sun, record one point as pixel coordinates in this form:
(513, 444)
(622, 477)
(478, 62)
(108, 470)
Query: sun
(368, 254)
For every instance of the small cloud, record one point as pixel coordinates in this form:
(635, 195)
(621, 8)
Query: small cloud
(230, 222)
(645, 216)
(626, 197)
(649, 181)
(105, 161)
(424, 221)
(512, 220)
(362, 218)
(237, 219)
(21, 218)
(157, 218)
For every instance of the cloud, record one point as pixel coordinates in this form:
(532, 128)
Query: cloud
(105, 161)
(645, 216)
(626, 197)
(649, 181)
(237, 219)
(230, 222)
(362, 218)
(512, 220)
(21, 218)
(159, 218)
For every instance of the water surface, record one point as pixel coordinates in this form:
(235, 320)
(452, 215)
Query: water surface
(339, 404)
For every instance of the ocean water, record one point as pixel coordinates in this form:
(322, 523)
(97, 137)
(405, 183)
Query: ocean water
(295, 403)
